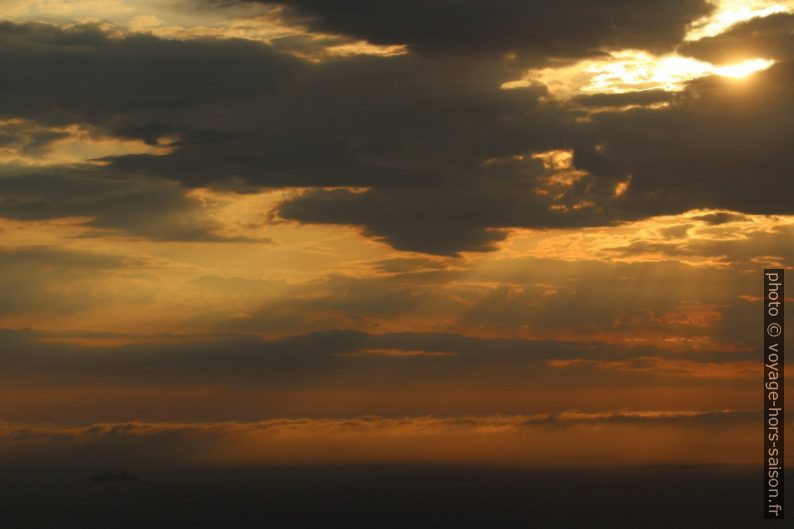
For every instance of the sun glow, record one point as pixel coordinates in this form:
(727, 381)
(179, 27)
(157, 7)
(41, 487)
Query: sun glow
(728, 13)
(743, 69)
(636, 70)
(629, 71)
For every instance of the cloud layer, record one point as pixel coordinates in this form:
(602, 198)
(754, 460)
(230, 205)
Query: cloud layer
(478, 231)
(540, 440)
(424, 150)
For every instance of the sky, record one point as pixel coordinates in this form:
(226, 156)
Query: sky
(507, 232)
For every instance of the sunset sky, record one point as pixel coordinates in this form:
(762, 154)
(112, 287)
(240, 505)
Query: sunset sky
(505, 232)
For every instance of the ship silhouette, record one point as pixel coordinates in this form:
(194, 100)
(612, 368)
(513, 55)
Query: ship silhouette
(114, 476)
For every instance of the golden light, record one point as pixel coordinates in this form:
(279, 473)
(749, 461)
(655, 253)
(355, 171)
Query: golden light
(728, 13)
(73, 144)
(622, 187)
(629, 71)
(637, 70)
(598, 244)
(743, 69)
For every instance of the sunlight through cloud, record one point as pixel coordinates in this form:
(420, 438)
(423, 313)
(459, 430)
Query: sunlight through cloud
(631, 70)
(743, 69)
(731, 12)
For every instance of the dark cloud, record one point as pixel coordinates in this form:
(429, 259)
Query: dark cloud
(339, 358)
(721, 144)
(642, 97)
(419, 132)
(82, 75)
(361, 122)
(138, 207)
(540, 29)
(442, 153)
(26, 139)
(720, 218)
(407, 219)
(446, 217)
(282, 362)
(509, 438)
(116, 431)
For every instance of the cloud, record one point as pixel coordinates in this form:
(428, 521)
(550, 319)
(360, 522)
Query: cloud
(357, 425)
(539, 29)
(769, 37)
(284, 362)
(445, 218)
(339, 358)
(401, 125)
(429, 140)
(661, 149)
(25, 143)
(541, 439)
(138, 207)
(423, 151)
(408, 265)
(639, 98)
(664, 366)
(520, 253)
(414, 219)
(100, 79)
(194, 19)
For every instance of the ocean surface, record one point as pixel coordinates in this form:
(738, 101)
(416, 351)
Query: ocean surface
(386, 496)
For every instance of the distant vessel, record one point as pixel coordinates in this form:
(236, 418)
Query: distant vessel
(114, 476)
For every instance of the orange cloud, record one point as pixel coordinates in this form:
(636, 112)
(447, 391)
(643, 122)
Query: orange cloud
(667, 367)
(612, 437)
